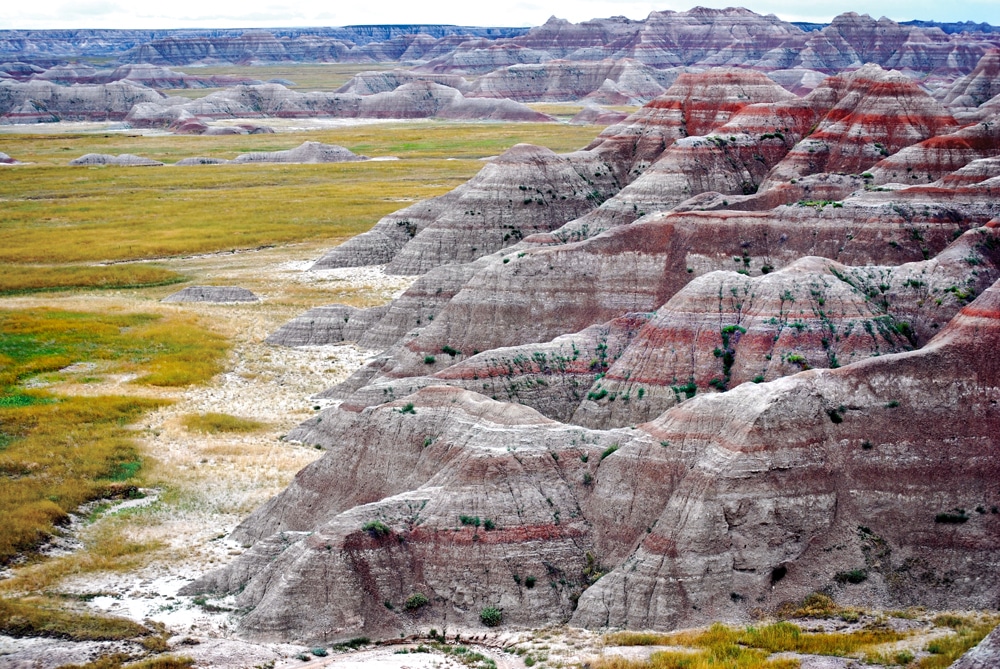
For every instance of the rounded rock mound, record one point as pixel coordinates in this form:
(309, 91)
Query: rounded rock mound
(222, 294)
(121, 160)
(308, 152)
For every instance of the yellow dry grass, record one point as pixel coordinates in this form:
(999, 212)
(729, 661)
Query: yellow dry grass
(58, 452)
(120, 214)
(18, 279)
(748, 648)
(214, 423)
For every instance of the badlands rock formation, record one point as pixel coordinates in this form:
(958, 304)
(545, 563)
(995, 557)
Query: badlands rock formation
(222, 294)
(481, 501)
(418, 99)
(121, 160)
(307, 152)
(527, 190)
(627, 81)
(980, 85)
(725, 354)
(714, 37)
(22, 102)
(983, 656)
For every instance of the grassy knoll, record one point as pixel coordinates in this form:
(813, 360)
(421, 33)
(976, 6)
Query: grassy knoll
(58, 452)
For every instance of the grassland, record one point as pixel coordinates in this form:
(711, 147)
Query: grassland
(116, 215)
(305, 76)
(20, 279)
(57, 452)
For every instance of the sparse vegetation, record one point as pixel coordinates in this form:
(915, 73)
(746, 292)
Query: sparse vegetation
(216, 423)
(752, 645)
(376, 528)
(38, 617)
(491, 616)
(59, 452)
(416, 601)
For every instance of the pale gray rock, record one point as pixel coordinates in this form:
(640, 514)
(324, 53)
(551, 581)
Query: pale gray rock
(83, 102)
(327, 325)
(222, 294)
(121, 160)
(527, 190)
(307, 152)
(218, 131)
(199, 160)
(986, 655)
(383, 81)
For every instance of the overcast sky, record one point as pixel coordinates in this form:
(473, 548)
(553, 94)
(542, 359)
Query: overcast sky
(279, 13)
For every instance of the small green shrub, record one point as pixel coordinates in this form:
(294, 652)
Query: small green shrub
(416, 600)
(956, 518)
(488, 524)
(429, 359)
(854, 576)
(609, 450)
(319, 652)
(491, 616)
(529, 582)
(474, 521)
(376, 528)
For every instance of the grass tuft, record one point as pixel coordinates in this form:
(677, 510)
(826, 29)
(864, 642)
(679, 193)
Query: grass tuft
(37, 617)
(215, 423)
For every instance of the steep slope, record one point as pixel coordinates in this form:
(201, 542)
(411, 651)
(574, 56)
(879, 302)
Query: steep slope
(565, 80)
(939, 156)
(979, 85)
(85, 102)
(541, 293)
(874, 113)
(724, 329)
(694, 105)
(746, 498)
(417, 99)
(528, 189)
(879, 466)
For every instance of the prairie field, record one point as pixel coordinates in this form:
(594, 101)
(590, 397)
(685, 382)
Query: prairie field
(56, 218)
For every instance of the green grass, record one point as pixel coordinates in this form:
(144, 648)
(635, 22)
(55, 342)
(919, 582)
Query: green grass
(58, 452)
(216, 423)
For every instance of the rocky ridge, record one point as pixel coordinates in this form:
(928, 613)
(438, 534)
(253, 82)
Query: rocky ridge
(724, 354)
(682, 478)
